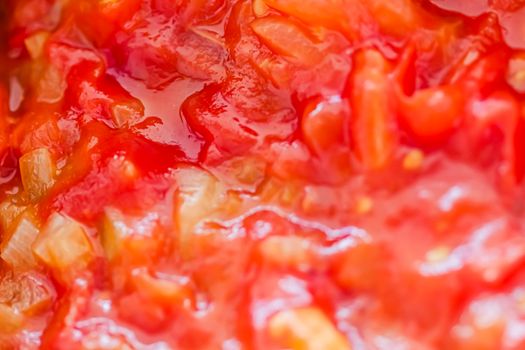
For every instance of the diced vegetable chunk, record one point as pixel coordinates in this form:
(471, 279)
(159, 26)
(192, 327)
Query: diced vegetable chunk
(37, 169)
(288, 251)
(114, 230)
(306, 329)
(373, 127)
(35, 43)
(29, 293)
(200, 195)
(63, 244)
(9, 212)
(16, 246)
(164, 289)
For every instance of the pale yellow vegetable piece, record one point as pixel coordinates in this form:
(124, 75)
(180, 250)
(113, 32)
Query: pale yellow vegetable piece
(516, 72)
(290, 251)
(200, 195)
(114, 230)
(63, 244)
(52, 85)
(9, 212)
(306, 329)
(16, 245)
(35, 43)
(37, 170)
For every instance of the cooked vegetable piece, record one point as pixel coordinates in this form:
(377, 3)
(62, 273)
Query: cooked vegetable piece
(63, 244)
(373, 124)
(37, 169)
(306, 329)
(16, 245)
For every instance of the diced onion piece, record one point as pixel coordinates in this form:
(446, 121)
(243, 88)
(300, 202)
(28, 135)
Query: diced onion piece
(16, 94)
(36, 294)
(200, 195)
(306, 329)
(248, 170)
(63, 244)
(9, 212)
(242, 173)
(287, 251)
(164, 290)
(51, 86)
(124, 168)
(16, 248)
(37, 170)
(114, 229)
(10, 319)
(127, 113)
(29, 293)
(35, 44)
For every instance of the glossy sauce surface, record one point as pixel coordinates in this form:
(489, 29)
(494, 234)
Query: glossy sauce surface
(264, 174)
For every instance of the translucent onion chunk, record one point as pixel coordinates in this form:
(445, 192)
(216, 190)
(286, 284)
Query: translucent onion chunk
(166, 289)
(37, 169)
(9, 212)
(29, 293)
(35, 44)
(16, 245)
(114, 230)
(288, 251)
(63, 244)
(200, 195)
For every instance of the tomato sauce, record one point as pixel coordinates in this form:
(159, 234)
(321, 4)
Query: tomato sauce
(262, 174)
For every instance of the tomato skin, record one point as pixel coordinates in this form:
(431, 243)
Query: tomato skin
(101, 19)
(373, 128)
(394, 17)
(501, 112)
(142, 313)
(323, 124)
(432, 114)
(472, 8)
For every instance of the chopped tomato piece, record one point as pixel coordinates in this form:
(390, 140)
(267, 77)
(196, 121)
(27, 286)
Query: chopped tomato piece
(432, 114)
(373, 126)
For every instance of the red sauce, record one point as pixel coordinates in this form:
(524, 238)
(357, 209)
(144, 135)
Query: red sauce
(264, 174)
